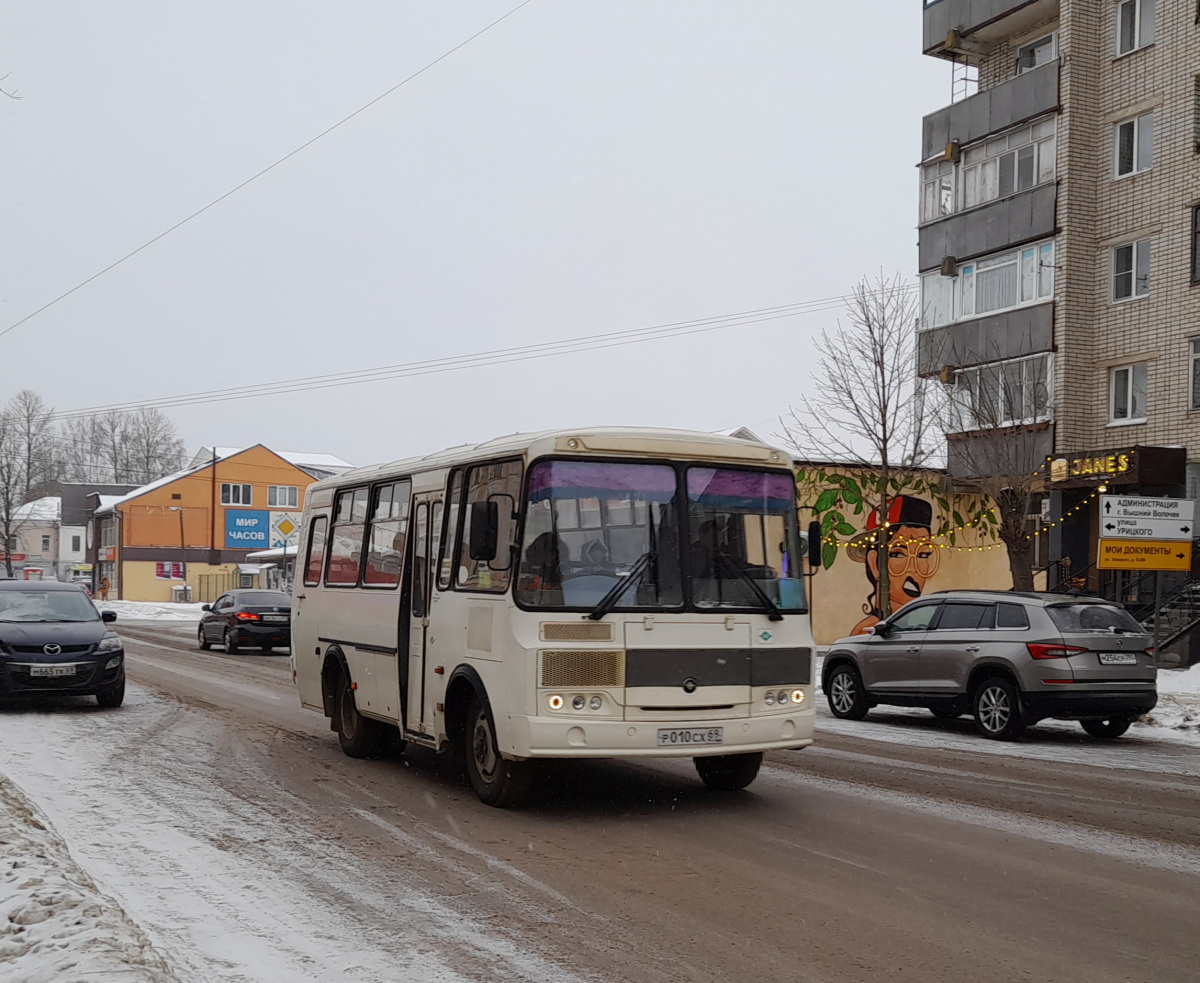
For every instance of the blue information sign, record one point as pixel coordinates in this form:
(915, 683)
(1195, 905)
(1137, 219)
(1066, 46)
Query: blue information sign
(246, 529)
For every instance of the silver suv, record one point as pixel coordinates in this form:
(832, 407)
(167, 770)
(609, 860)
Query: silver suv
(1009, 658)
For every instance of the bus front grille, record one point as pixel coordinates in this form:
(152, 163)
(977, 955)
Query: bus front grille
(577, 631)
(565, 670)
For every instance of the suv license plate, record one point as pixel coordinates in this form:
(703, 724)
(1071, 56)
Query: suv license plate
(683, 737)
(1118, 658)
(52, 670)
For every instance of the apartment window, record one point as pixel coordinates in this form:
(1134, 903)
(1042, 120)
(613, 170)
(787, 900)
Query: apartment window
(75, 544)
(1196, 244)
(1195, 362)
(1134, 145)
(1007, 164)
(1004, 394)
(1037, 53)
(236, 494)
(45, 544)
(937, 190)
(283, 497)
(1131, 270)
(1128, 389)
(1135, 25)
(12, 544)
(995, 283)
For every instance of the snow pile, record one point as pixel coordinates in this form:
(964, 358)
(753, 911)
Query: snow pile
(1178, 709)
(149, 611)
(55, 925)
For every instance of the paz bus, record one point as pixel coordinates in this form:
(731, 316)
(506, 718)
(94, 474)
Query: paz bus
(595, 593)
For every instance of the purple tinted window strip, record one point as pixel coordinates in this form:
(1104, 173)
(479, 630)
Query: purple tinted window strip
(567, 479)
(710, 486)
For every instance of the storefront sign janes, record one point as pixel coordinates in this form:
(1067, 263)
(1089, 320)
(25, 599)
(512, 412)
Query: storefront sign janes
(1089, 466)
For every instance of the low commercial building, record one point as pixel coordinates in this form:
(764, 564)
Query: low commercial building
(188, 535)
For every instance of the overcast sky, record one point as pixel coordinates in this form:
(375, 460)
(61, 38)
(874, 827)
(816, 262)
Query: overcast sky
(586, 166)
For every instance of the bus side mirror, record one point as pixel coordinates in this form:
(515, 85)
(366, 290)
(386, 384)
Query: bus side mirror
(814, 546)
(484, 531)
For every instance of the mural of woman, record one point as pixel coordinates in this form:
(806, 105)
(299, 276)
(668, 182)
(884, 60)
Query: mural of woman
(912, 557)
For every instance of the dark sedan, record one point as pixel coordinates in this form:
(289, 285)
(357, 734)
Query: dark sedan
(247, 619)
(53, 640)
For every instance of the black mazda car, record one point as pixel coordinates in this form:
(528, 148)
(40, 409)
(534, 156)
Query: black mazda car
(247, 619)
(53, 640)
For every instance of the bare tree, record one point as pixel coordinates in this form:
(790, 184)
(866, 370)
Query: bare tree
(867, 408)
(996, 420)
(30, 418)
(152, 447)
(12, 482)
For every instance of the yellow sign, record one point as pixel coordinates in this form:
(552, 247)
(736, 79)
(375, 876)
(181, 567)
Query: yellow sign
(1087, 466)
(1152, 554)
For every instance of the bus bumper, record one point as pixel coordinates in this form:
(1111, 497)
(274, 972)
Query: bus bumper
(542, 737)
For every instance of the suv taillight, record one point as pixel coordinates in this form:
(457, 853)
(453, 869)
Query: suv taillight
(246, 616)
(1039, 651)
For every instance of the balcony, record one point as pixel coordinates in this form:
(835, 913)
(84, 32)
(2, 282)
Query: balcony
(980, 23)
(1021, 98)
(990, 228)
(990, 338)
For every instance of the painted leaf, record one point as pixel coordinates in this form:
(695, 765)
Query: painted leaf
(827, 499)
(845, 529)
(958, 520)
(829, 553)
(852, 496)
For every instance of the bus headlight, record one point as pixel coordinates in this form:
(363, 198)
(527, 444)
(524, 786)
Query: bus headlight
(770, 699)
(797, 696)
(555, 702)
(577, 703)
(596, 703)
(782, 697)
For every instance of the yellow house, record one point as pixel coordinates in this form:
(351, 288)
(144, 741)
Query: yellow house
(194, 529)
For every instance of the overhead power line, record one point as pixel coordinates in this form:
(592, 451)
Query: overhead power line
(265, 170)
(475, 360)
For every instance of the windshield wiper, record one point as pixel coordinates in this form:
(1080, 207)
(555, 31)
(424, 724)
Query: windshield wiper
(609, 600)
(769, 606)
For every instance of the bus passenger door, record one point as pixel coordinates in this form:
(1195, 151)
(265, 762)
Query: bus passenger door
(426, 531)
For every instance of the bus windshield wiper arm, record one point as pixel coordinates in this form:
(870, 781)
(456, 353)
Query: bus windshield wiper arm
(769, 606)
(609, 600)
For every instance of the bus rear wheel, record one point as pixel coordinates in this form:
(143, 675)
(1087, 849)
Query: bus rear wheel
(496, 780)
(359, 736)
(728, 772)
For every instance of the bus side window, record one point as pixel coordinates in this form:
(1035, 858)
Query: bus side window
(316, 551)
(349, 524)
(449, 536)
(501, 483)
(389, 531)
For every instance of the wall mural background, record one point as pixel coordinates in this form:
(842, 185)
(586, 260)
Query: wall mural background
(934, 541)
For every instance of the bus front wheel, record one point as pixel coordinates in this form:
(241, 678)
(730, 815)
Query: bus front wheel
(496, 780)
(729, 772)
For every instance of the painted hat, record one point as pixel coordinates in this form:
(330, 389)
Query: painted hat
(903, 510)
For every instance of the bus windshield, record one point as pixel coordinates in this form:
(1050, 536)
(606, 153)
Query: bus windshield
(589, 526)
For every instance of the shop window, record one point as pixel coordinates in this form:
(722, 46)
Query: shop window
(499, 483)
(283, 497)
(346, 538)
(236, 494)
(388, 535)
(1128, 393)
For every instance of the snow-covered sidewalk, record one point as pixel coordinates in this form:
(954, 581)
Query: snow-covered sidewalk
(151, 611)
(55, 925)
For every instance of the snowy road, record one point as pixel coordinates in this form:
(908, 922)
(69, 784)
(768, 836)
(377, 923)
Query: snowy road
(232, 831)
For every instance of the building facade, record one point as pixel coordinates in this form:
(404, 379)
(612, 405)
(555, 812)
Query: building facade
(188, 535)
(1059, 245)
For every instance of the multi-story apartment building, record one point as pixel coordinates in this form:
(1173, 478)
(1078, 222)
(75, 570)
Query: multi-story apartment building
(1060, 244)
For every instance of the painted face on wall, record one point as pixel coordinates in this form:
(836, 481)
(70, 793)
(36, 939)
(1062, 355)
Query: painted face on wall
(912, 560)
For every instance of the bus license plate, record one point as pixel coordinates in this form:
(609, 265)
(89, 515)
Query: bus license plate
(683, 737)
(1118, 658)
(52, 670)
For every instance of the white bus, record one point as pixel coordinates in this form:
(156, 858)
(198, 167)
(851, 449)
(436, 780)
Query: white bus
(592, 593)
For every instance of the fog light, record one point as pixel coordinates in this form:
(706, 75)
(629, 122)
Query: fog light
(770, 699)
(577, 702)
(797, 696)
(596, 703)
(113, 662)
(555, 702)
